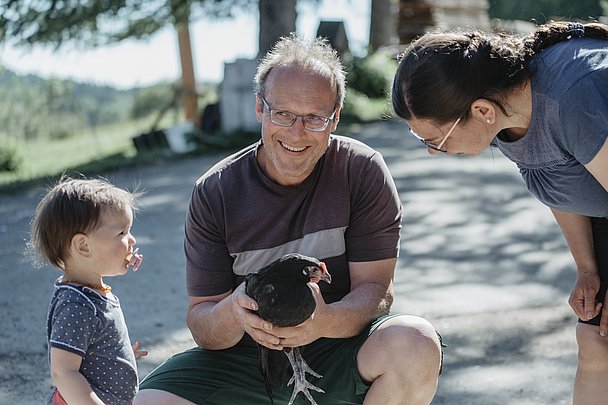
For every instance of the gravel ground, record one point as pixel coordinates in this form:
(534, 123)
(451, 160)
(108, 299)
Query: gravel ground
(481, 259)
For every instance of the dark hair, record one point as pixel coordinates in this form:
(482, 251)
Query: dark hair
(442, 73)
(73, 206)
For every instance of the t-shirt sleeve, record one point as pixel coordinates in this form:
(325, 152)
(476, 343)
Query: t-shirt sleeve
(73, 325)
(375, 223)
(584, 116)
(208, 262)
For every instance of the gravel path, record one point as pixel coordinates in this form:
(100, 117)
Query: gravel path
(481, 259)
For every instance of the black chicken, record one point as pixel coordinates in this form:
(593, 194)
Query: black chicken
(284, 299)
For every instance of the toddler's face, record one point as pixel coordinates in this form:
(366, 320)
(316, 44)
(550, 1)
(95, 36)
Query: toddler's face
(112, 242)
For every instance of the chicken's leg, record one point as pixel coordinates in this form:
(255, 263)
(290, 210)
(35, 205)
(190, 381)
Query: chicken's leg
(300, 368)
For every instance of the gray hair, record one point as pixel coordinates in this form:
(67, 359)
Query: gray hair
(316, 56)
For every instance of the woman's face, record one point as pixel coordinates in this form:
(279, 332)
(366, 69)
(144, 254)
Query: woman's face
(465, 138)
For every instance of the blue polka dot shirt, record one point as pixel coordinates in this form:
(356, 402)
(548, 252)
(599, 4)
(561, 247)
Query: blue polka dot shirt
(82, 321)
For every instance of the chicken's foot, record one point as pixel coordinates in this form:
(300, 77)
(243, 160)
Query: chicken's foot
(300, 368)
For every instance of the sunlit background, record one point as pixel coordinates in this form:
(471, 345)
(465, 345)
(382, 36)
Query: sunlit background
(144, 62)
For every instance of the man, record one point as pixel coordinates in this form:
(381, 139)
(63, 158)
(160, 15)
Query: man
(300, 189)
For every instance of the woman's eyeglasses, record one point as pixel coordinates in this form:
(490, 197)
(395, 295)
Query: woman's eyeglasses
(440, 146)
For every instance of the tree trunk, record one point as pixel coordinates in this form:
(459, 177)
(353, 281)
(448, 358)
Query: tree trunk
(383, 22)
(188, 88)
(277, 19)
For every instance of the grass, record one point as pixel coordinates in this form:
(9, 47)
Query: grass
(45, 158)
(93, 152)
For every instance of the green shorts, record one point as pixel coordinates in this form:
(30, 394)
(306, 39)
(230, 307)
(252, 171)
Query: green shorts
(231, 376)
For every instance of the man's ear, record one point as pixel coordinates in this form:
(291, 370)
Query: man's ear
(80, 245)
(334, 123)
(483, 110)
(259, 108)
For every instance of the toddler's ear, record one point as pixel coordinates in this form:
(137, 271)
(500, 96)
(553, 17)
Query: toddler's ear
(80, 245)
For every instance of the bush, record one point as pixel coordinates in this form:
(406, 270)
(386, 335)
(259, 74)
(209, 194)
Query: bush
(360, 108)
(372, 75)
(151, 100)
(11, 158)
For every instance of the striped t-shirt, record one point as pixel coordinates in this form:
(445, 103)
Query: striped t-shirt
(239, 219)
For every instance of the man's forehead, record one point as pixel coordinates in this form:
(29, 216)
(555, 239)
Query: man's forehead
(281, 74)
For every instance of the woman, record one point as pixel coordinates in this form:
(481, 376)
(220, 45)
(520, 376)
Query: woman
(543, 101)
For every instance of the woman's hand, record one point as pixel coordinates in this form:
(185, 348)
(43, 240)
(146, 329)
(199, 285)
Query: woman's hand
(583, 296)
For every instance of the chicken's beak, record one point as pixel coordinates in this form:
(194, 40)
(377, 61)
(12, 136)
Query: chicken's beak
(325, 276)
(318, 273)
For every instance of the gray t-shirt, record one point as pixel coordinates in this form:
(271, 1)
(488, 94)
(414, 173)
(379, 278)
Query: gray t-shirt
(240, 220)
(569, 125)
(92, 326)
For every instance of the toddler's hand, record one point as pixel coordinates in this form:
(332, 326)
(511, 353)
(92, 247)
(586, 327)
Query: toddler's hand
(135, 259)
(138, 353)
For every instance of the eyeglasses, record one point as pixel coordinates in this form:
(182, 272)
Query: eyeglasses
(311, 122)
(437, 147)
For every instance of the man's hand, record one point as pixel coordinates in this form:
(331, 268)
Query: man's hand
(260, 330)
(582, 298)
(309, 330)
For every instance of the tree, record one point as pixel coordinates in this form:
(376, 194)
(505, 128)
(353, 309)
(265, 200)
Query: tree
(383, 23)
(99, 22)
(277, 19)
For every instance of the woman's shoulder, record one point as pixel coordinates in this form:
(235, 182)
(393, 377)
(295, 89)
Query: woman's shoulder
(570, 61)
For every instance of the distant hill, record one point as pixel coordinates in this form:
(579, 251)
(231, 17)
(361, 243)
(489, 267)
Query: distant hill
(32, 106)
(102, 104)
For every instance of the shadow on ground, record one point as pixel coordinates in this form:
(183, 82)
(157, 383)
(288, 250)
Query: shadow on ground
(480, 258)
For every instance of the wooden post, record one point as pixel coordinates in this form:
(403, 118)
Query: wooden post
(190, 101)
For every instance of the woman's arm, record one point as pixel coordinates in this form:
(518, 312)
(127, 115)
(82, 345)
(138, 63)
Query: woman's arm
(579, 236)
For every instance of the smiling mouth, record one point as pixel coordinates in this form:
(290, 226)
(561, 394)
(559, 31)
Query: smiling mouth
(292, 148)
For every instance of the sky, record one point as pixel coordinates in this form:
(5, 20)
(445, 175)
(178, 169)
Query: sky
(133, 63)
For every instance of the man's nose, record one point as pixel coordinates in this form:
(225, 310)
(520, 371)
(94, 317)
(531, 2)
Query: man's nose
(298, 125)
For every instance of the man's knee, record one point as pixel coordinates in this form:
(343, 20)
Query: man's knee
(400, 344)
(157, 397)
(413, 337)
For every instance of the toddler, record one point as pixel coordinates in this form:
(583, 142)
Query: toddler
(83, 227)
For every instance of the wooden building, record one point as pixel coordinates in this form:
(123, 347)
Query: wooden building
(416, 17)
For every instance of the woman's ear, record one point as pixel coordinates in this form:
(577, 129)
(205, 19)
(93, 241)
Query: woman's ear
(79, 246)
(484, 111)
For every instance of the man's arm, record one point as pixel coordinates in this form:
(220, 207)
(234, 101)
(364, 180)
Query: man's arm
(220, 321)
(371, 295)
(212, 322)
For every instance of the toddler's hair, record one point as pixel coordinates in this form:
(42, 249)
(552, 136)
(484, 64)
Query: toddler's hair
(73, 206)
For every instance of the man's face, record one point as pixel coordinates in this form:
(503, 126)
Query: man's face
(289, 154)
